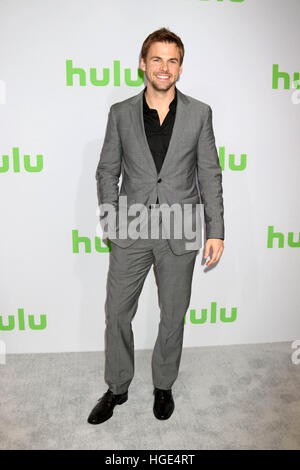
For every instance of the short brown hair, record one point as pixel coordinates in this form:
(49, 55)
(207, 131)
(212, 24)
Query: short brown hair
(162, 35)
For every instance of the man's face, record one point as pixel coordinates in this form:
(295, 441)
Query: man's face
(162, 67)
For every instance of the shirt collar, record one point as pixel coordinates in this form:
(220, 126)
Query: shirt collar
(172, 105)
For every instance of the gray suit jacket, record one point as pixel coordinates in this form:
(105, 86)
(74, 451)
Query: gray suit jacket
(191, 157)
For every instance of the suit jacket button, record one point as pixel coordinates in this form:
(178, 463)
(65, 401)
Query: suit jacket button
(159, 181)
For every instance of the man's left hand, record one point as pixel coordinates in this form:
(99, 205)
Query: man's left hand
(217, 247)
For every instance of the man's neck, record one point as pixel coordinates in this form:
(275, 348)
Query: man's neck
(158, 99)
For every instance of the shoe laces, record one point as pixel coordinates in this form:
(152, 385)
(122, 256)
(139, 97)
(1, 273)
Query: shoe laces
(162, 394)
(107, 396)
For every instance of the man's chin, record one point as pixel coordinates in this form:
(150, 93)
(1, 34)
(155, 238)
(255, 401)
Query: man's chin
(159, 86)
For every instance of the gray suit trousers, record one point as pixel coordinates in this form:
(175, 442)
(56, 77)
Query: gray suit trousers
(128, 269)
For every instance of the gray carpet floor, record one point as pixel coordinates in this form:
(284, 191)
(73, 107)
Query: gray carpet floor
(226, 397)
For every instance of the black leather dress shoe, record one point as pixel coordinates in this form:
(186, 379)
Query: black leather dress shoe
(105, 406)
(163, 403)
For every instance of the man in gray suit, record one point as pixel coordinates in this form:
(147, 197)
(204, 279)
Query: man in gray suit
(162, 141)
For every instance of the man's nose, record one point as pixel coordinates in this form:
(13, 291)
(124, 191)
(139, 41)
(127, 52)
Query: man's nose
(164, 68)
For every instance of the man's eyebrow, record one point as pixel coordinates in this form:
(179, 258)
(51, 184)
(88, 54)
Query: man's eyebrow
(157, 57)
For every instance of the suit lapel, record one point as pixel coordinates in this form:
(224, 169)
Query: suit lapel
(139, 128)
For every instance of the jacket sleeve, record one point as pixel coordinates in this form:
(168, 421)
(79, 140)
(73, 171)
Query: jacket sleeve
(209, 174)
(109, 166)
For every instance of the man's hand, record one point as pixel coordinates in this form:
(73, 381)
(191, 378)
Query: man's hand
(217, 247)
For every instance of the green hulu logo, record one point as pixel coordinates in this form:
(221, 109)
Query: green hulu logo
(211, 316)
(232, 165)
(87, 245)
(16, 162)
(280, 237)
(105, 77)
(286, 79)
(12, 323)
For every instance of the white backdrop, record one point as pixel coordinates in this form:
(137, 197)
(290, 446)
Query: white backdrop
(231, 48)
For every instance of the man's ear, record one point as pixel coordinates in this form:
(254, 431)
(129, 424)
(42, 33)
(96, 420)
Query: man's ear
(142, 65)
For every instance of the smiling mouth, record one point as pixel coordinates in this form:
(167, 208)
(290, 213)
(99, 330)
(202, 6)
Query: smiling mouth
(163, 77)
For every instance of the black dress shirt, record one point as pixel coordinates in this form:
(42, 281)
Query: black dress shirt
(158, 136)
